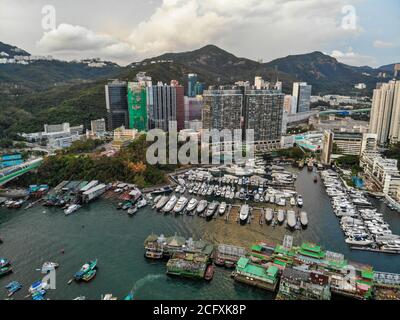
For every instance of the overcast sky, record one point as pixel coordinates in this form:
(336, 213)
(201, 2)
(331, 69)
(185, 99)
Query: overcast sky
(130, 30)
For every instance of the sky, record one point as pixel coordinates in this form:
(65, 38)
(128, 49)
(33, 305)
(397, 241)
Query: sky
(356, 32)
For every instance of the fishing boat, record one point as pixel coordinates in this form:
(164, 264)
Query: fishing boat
(132, 210)
(192, 204)
(4, 262)
(303, 218)
(180, 204)
(244, 213)
(299, 200)
(161, 202)
(209, 273)
(281, 216)
(291, 219)
(89, 275)
(5, 270)
(222, 208)
(71, 209)
(170, 204)
(88, 266)
(211, 209)
(202, 206)
(13, 287)
(269, 215)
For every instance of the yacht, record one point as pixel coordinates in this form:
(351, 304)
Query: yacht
(161, 203)
(303, 218)
(192, 204)
(170, 204)
(269, 215)
(299, 200)
(291, 218)
(244, 213)
(180, 204)
(222, 208)
(202, 206)
(281, 216)
(213, 206)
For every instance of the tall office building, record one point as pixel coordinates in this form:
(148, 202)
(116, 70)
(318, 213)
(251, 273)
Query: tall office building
(193, 110)
(301, 97)
(190, 86)
(263, 114)
(180, 104)
(385, 112)
(116, 104)
(224, 106)
(163, 103)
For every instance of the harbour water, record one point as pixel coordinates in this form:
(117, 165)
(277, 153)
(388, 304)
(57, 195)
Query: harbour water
(98, 230)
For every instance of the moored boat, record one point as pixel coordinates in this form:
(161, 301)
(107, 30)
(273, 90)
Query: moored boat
(71, 209)
(244, 213)
(132, 210)
(303, 218)
(222, 208)
(170, 204)
(88, 266)
(269, 215)
(192, 204)
(299, 200)
(211, 209)
(89, 275)
(291, 218)
(209, 273)
(202, 206)
(161, 202)
(281, 216)
(180, 204)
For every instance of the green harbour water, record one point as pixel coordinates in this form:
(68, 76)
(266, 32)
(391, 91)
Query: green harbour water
(99, 230)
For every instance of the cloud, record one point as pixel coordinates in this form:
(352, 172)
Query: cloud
(352, 58)
(267, 29)
(383, 44)
(74, 39)
(177, 25)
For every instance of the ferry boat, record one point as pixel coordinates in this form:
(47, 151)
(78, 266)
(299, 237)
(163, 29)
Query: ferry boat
(269, 215)
(88, 266)
(72, 208)
(192, 204)
(211, 209)
(303, 218)
(291, 218)
(244, 213)
(281, 216)
(170, 204)
(202, 206)
(300, 201)
(180, 204)
(162, 202)
(222, 208)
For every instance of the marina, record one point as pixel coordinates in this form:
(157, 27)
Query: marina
(84, 235)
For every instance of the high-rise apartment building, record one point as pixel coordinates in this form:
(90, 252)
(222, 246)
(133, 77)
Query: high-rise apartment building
(385, 112)
(190, 86)
(301, 97)
(225, 108)
(117, 104)
(193, 110)
(164, 102)
(263, 114)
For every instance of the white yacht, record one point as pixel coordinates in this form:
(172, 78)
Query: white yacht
(72, 208)
(180, 204)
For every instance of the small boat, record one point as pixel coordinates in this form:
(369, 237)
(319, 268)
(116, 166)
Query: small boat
(132, 210)
(209, 273)
(71, 209)
(5, 270)
(4, 262)
(315, 178)
(192, 204)
(269, 215)
(126, 205)
(293, 201)
(299, 200)
(244, 213)
(161, 202)
(89, 275)
(108, 296)
(303, 218)
(50, 265)
(211, 209)
(88, 266)
(222, 208)
(180, 204)
(281, 216)
(80, 298)
(157, 198)
(141, 203)
(170, 204)
(291, 218)
(13, 287)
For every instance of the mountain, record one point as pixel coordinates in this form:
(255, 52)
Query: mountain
(223, 67)
(388, 68)
(7, 50)
(325, 73)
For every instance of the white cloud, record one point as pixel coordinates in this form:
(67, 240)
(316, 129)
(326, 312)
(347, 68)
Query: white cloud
(383, 44)
(352, 58)
(73, 39)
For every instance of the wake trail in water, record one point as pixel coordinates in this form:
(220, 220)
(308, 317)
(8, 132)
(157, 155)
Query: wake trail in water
(143, 281)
